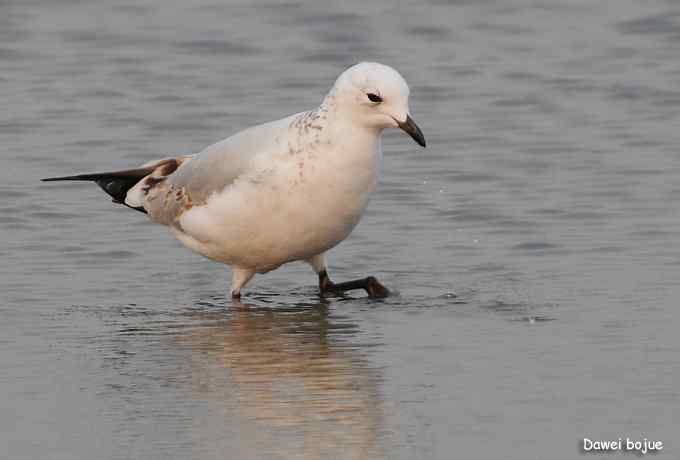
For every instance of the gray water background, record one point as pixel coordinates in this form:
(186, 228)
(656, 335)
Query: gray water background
(535, 243)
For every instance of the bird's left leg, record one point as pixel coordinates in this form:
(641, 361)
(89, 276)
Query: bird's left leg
(371, 285)
(239, 278)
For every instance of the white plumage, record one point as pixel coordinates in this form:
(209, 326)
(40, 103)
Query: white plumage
(286, 190)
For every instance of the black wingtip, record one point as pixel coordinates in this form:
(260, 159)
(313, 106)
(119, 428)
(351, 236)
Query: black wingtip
(54, 179)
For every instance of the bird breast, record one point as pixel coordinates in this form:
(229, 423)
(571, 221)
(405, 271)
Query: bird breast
(295, 204)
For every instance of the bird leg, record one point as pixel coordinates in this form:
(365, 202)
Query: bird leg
(239, 278)
(370, 284)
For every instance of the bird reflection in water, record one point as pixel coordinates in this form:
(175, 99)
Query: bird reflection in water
(292, 382)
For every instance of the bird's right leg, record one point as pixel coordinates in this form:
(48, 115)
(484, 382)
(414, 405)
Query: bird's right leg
(371, 285)
(239, 278)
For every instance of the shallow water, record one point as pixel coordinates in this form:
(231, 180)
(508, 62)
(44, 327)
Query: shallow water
(534, 243)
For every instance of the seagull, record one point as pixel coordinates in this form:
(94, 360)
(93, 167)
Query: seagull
(288, 190)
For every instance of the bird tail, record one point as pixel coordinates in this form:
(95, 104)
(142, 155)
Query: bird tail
(118, 183)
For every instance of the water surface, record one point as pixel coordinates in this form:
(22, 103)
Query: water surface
(535, 243)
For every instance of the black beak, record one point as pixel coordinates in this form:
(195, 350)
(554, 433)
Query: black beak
(413, 130)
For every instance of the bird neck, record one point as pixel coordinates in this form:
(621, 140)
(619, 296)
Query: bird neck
(342, 120)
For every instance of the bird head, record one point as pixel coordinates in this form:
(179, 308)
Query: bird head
(377, 96)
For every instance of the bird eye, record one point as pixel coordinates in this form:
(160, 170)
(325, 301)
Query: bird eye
(374, 97)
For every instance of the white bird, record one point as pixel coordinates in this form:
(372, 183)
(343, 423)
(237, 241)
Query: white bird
(281, 191)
